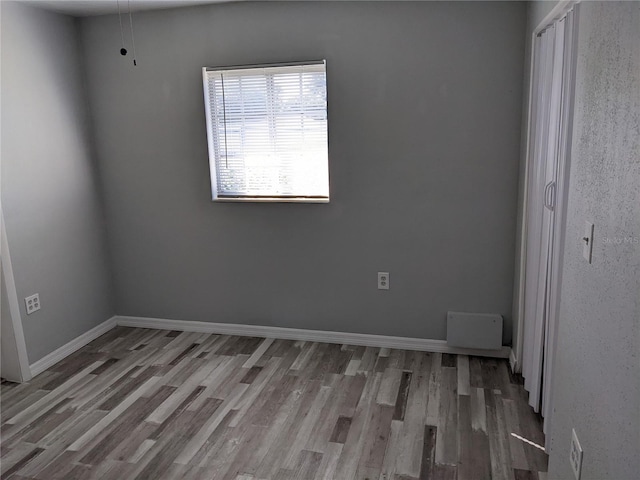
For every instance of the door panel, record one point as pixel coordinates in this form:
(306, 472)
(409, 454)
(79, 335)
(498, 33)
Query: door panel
(541, 204)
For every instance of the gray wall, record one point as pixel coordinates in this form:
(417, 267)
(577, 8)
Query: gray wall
(424, 129)
(54, 221)
(597, 385)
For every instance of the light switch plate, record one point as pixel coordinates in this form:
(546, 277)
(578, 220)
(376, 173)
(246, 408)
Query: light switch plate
(587, 241)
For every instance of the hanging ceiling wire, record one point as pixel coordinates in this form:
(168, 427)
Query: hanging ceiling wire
(133, 41)
(123, 51)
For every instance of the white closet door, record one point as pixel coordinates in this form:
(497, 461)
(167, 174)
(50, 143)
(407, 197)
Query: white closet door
(551, 178)
(536, 239)
(550, 138)
(533, 243)
(564, 134)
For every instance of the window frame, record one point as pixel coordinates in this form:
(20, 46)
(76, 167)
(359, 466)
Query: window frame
(211, 147)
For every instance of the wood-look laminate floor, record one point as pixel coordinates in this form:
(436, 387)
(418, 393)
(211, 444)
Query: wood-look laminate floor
(153, 404)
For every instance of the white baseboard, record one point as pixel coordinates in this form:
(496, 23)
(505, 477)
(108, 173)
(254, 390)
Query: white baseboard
(369, 340)
(71, 347)
(365, 339)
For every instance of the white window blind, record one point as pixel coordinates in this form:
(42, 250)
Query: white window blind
(267, 132)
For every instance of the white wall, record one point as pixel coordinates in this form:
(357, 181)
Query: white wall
(596, 374)
(424, 126)
(54, 218)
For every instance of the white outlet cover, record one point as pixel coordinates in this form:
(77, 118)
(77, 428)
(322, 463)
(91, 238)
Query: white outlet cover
(587, 240)
(575, 455)
(383, 280)
(32, 303)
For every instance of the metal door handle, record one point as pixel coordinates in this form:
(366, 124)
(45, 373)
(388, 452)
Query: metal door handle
(549, 195)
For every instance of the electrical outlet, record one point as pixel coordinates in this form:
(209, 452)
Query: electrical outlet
(575, 455)
(383, 280)
(32, 303)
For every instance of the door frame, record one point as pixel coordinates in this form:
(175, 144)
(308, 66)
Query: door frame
(14, 305)
(559, 223)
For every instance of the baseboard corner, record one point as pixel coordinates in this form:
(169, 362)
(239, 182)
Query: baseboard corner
(74, 345)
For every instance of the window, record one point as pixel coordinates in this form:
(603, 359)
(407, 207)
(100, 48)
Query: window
(267, 132)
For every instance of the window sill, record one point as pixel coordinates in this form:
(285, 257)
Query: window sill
(271, 200)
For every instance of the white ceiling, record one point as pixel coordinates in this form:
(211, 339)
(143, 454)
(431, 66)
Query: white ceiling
(83, 8)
